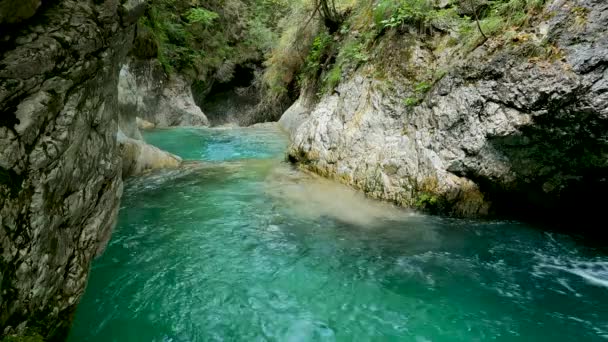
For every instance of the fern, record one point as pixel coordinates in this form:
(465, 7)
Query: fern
(201, 16)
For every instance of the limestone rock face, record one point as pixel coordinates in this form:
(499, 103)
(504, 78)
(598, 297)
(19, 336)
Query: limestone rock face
(295, 116)
(147, 99)
(145, 91)
(139, 157)
(499, 133)
(144, 124)
(60, 167)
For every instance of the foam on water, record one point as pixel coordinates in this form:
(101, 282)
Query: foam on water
(594, 273)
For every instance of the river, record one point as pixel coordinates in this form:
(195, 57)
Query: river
(240, 246)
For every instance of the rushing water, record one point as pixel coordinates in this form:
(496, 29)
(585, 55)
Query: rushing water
(238, 246)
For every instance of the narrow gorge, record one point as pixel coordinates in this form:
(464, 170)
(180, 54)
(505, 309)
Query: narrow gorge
(311, 170)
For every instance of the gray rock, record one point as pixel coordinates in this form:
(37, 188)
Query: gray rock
(144, 124)
(150, 95)
(139, 157)
(501, 132)
(60, 164)
(131, 10)
(294, 116)
(145, 91)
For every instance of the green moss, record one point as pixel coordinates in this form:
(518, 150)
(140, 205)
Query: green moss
(32, 337)
(201, 16)
(333, 78)
(427, 201)
(412, 101)
(318, 52)
(422, 87)
(580, 11)
(393, 14)
(580, 16)
(353, 53)
(493, 25)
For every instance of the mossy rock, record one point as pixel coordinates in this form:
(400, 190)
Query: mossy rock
(146, 44)
(26, 338)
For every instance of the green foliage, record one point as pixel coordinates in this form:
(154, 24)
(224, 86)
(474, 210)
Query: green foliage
(492, 25)
(318, 50)
(353, 52)
(261, 36)
(498, 16)
(419, 14)
(422, 87)
(301, 51)
(333, 77)
(412, 101)
(288, 56)
(447, 19)
(202, 36)
(384, 10)
(201, 16)
(32, 337)
(427, 201)
(580, 11)
(200, 40)
(395, 14)
(580, 16)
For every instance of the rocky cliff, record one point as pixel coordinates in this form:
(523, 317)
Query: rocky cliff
(507, 130)
(60, 169)
(146, 91)
(148, 98)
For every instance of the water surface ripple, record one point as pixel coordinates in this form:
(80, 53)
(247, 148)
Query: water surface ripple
(238, 246)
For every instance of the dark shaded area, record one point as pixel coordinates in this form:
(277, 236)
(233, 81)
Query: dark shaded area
(145, 45)
(229, 102)
(9, 31)
(561, 170)
(12, 180)
(8, 118)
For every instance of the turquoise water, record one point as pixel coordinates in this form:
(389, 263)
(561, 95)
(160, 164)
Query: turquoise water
(238, 246)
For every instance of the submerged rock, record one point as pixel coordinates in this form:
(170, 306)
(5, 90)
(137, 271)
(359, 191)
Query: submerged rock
(500, 133)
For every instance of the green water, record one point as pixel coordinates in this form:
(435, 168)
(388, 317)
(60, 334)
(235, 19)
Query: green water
(241, 247)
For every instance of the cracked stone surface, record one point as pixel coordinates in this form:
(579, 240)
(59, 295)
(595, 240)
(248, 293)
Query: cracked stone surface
(145, 91)
(60, 167)
(500, 133)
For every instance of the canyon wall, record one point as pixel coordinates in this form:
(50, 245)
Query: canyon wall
(60, 167)
(506, 130)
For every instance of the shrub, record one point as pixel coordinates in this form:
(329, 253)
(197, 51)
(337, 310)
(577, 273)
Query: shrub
(201, 16)
(333, 77)
(198, 40)
(427, 201)
(318, 51)
(290, 54)
(422, 87)
(412, 101)
(396, 14)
